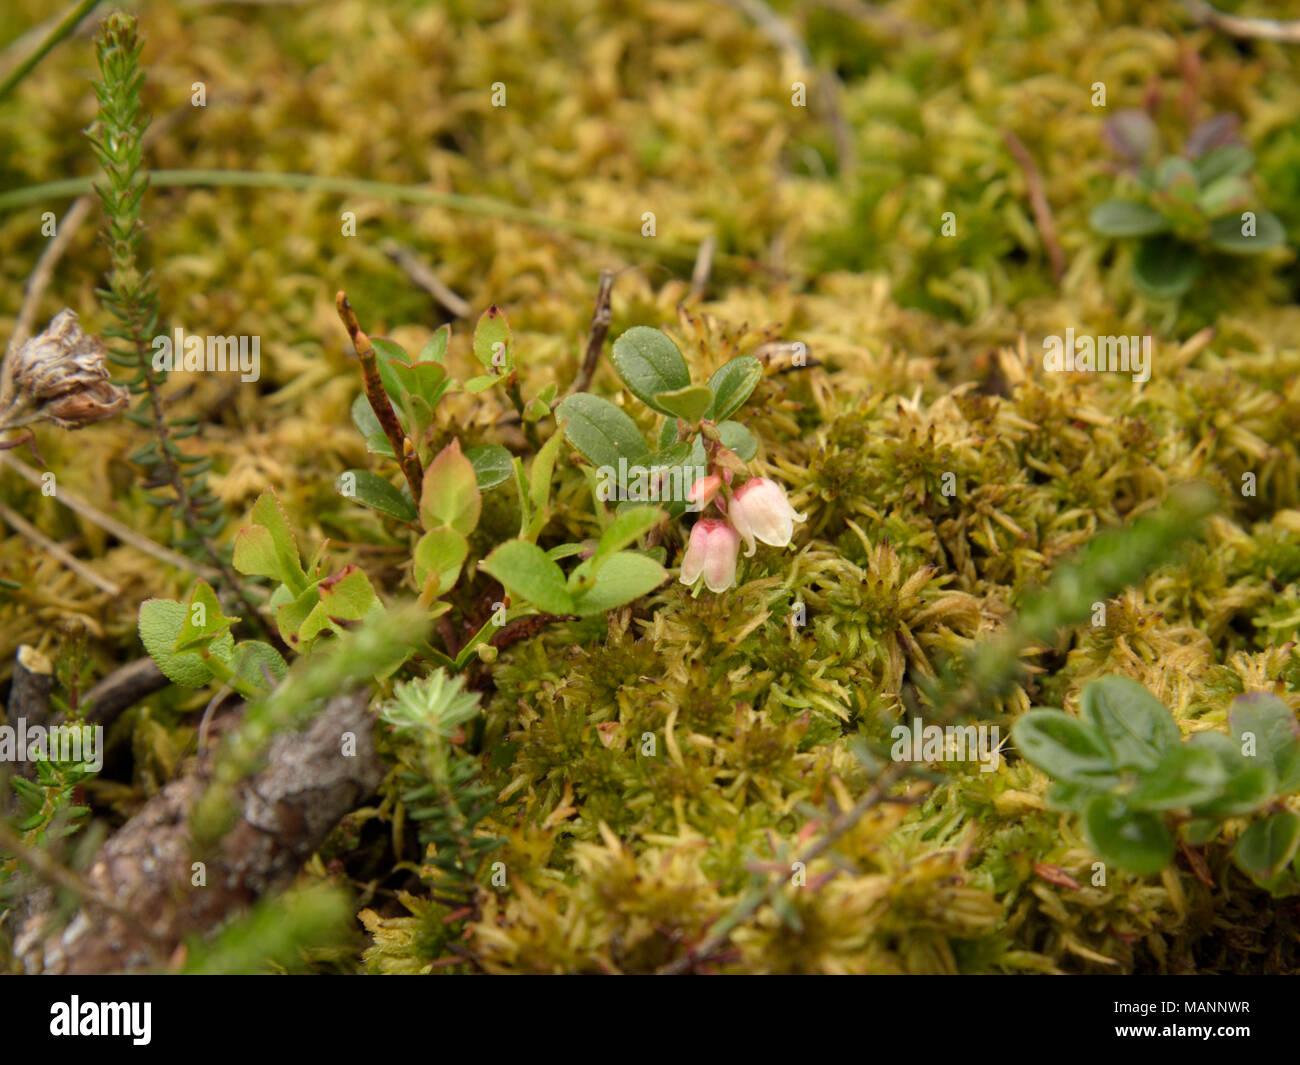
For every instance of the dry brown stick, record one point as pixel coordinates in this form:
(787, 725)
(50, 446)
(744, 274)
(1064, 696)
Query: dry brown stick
(28, 531)
(601, 318)
(29, 701)
(879, 18)
(703, 265)
(403, 449)
(147, 867)
(123, 532)
(417, 271)
(720, 934)
(828, 85)
(962, 701)
(1038, 203)
(123, 688)
(43, 273)
(1282, 31)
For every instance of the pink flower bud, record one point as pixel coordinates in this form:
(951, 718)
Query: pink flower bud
(703, 490)
(760, 510)
(712, 552)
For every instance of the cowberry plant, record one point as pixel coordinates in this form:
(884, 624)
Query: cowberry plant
(700, 449)
(439, 500)
(1142, 788)
(1183, 208)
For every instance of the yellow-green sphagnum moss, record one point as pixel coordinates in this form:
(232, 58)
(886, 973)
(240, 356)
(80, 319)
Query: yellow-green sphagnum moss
(635, 775)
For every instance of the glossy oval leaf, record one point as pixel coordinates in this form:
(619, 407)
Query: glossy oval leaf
(492, 464)
(599, 430)
(1126, 218)
(649, 363)
(1260, 231)
(1227, 160)
(689, 403)
(1184, 777)
(1135, 725)
(732, 385)
(625, 576)
(371, 490)
(1267, 845)
(1129, 839)
(527, 574)
(492, 342)
(1063, 747)
(1165, 268)
(739, 439)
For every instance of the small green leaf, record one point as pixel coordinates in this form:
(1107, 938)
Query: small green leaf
(267, 548)
(1270, 725)
(482, 383)
(689, 403)
(1126, 218)
(347, 595)
(600, 431)
(539, 476)
(1134, 724)
(668, 433)
(492, 342)
(1226, 234)
(1165, 268)
(676, 455)
(1136, 841)
(450, 493)
(569, 550)
(1228, 160)
(1184, 777)
(1199, 832)
(1249, 784)
(1226, 194)
(363, 417)
(160, 623)
(491, 464)
(1267, 845)
(426, 381)
(649, 363)
(385, 353)
(627, 527)
(204, 619)
(371, 490)
(292, 615)
(440, 552)
(732, 385)
(623, 577)
(1176, 174)
(739, 439)
(1073, 797)
(528, 574)
(248, 660)
(1064, 747)
(435, 348)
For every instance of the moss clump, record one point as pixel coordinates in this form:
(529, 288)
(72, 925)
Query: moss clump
(647, 770)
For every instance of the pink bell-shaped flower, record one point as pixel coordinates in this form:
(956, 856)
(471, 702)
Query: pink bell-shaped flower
(712, 552)
(760, 510)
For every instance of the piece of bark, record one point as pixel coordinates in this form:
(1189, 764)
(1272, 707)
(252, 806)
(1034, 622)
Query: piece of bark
(29, 696)
(123, 688)
(29, 691)
(146, 867)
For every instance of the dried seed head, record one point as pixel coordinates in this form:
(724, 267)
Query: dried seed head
(60, 375)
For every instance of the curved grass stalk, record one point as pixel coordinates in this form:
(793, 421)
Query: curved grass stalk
(65, 27)
(380, 190)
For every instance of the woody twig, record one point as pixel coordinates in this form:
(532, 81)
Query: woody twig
(403, 448)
